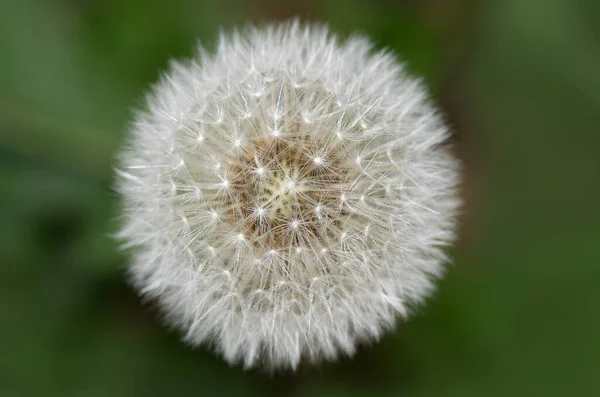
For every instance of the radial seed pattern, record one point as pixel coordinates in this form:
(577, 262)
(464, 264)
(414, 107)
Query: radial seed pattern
(287, 196)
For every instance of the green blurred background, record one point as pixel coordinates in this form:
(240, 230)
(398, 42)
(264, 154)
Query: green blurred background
(519, 311)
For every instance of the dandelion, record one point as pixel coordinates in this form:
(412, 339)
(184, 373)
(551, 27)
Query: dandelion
(288, 196)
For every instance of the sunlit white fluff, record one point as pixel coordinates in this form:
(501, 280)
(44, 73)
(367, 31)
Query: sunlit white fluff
(287, 196)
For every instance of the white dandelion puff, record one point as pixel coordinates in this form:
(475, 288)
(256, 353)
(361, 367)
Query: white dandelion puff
(288, 196)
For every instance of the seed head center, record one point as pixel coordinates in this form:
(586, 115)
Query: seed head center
(282, 190)
(279, 189)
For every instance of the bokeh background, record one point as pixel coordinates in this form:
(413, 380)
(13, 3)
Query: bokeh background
(519, 311)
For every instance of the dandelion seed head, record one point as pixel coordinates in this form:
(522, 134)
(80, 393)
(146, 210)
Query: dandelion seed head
(288, 196)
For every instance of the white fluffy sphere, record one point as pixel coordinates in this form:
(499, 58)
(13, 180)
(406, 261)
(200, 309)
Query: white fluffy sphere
(288, 196)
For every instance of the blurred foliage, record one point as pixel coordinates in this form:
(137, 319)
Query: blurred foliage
(519, 311)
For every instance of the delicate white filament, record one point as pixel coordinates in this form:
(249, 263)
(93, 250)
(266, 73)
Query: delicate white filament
(288, 196)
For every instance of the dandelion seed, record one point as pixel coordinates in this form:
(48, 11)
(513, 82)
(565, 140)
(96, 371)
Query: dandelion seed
(260, 240)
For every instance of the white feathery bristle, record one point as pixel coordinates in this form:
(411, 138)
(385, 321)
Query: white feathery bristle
(288, 196)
